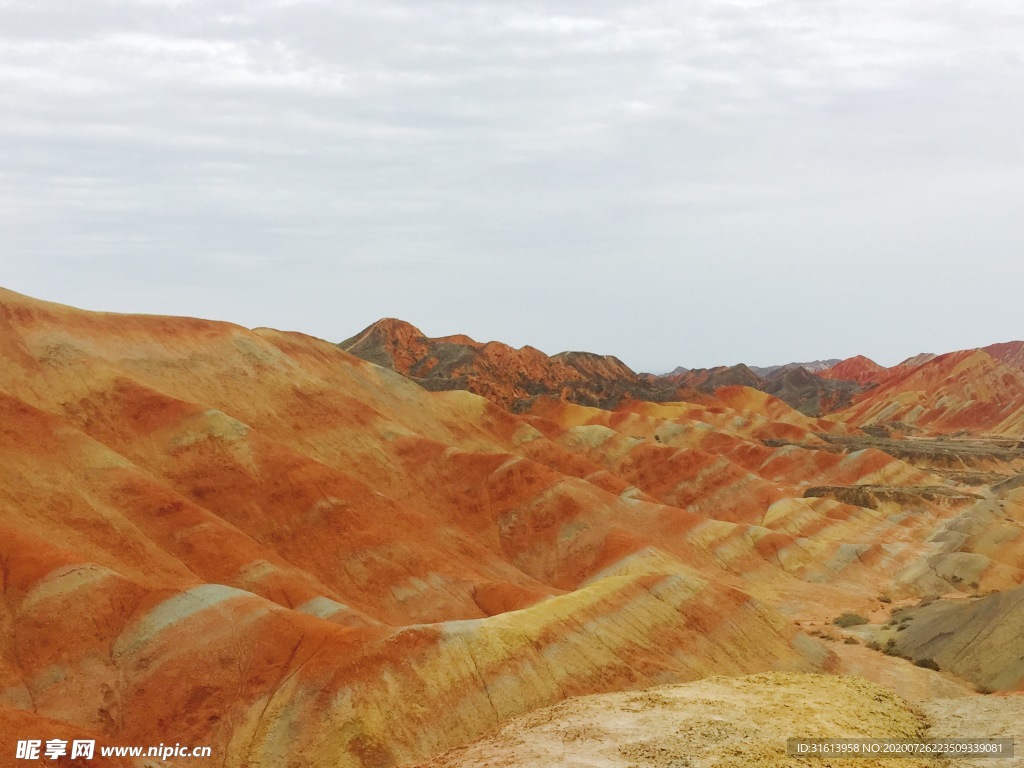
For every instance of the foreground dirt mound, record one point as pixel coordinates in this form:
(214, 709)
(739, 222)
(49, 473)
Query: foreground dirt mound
(713, 723)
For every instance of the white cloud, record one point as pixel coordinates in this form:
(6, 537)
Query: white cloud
(540, 155)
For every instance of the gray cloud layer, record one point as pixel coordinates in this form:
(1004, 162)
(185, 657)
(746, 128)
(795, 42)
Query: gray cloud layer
(687, 183)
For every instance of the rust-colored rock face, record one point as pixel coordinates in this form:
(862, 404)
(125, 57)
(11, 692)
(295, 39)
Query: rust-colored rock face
(861, 369)
(1010, 352)
(969, 390)
(504, 375)
(259, 542)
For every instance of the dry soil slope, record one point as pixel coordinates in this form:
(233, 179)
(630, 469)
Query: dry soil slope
(981, 547)
(248, 539)
(981, 640)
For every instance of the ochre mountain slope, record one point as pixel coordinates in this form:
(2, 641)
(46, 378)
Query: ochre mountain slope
(1010, 352)
(281, 517)
(969, 390)
(256, 541)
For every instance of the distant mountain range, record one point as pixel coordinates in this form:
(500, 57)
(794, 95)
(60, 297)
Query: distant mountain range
(507, 376)
(814, 366)
(515, 378)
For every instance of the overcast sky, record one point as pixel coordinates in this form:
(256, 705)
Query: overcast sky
(674, 183)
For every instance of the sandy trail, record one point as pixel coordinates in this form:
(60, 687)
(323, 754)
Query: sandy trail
(979, 717)
(950, 705)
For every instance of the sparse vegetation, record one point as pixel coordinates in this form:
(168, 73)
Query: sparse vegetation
(885, 599)
(890, 648)
(927, 664)
(851, 641)
(984, 689)
(849, 620)
(874, 645)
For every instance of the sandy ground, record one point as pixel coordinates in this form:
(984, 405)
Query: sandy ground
(719, 722)
(979, 716)
(950, 706)
(911, 682)
(723, 722)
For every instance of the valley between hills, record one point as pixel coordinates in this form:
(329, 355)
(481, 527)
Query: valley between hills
(398, 550)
